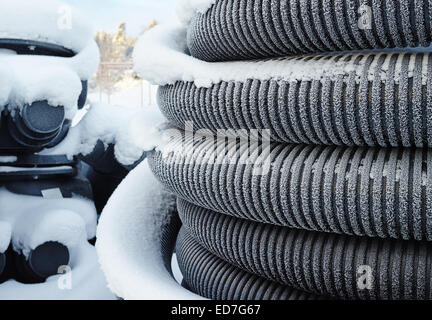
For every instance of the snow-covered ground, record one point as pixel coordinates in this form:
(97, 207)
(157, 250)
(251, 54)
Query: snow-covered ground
(129, 243)
(128, 93)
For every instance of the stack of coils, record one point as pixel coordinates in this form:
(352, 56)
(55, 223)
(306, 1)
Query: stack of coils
(344, 209)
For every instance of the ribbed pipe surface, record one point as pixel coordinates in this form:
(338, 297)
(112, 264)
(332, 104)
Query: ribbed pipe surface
(250, 29)
(381, 100)
(325, 264)
(212, 278)
(371, 192)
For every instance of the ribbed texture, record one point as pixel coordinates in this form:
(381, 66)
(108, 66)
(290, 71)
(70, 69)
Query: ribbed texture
(168, 238)
(213, 278)
(247, 29)
(325, 264)
(355, 191)
(386, 102)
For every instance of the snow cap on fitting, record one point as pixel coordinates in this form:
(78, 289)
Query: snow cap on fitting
(48, 21)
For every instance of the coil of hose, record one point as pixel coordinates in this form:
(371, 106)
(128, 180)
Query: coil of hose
(213, 278)
(323, 263)
(346, 185)
(353, 191)
(245, 29)
(362, 106)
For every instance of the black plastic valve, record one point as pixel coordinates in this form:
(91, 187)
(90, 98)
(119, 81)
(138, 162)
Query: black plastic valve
(42, 263)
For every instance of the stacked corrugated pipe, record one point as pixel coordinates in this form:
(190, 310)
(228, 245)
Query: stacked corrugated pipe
(344, 209)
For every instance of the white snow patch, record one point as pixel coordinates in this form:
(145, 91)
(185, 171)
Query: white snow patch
(8, 159)
(7, 169)
(5, 236)
(187, 9)
(178, 276)
(63, 226)
(129, 240)
(47, 21)
(87, 281)
(132, 130)
(36, 220)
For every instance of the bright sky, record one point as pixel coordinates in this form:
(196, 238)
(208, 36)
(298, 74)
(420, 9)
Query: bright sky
(108, 14)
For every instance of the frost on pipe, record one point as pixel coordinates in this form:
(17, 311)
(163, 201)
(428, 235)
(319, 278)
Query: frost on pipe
(355, 191)
(243, 29)
(383, 101)
(136, 237)
(213, 278)
(326, 264)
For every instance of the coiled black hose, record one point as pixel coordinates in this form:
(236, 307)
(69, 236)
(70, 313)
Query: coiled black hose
(305, 216)
(326, 264)
(384, 101)
(250, 29)
(354, 191)
(213, 278)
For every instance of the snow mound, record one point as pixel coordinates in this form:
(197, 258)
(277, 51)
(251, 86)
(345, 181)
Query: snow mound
(186, 9)
(63, 226)
(129, 238)
(48, 21)
(87, 281)
(132, 131)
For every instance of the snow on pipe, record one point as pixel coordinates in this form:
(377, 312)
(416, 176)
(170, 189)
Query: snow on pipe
(341, 110)
(136, 238)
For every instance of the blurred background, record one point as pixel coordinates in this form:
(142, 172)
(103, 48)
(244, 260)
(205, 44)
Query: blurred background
(118, 25)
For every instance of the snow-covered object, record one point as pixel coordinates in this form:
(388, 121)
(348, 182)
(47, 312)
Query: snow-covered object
(132, 130)
(85, 282)
(25, 79)
(129, 239)
(48, 21)
(36, 220)
(5, 236)
(186, 9)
